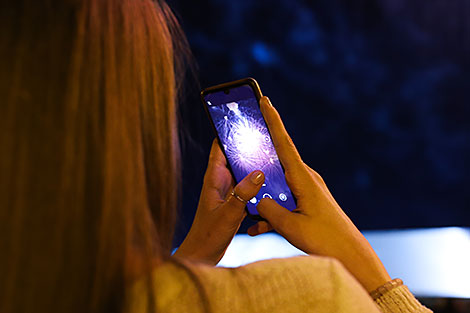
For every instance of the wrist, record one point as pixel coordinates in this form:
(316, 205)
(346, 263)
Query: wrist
(192, 250)
(361, 261)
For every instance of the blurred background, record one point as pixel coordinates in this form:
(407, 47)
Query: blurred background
(375, 95)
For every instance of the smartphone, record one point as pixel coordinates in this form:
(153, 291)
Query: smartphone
(234, 112)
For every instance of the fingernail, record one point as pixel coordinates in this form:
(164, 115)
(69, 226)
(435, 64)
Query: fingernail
(257, 177)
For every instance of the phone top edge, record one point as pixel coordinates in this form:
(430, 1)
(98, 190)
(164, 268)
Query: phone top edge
(244, 81)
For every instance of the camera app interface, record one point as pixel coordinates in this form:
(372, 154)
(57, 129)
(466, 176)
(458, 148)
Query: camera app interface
(247, 143)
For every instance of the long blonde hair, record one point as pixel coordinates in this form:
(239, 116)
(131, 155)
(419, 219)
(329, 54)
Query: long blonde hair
(89, 154)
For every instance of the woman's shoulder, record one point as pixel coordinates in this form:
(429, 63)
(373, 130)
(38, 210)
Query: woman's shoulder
(169, 288)
(306, 283)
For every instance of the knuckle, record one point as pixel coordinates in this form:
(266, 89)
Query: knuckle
(244, 192)
(284, 141)
(241, 191)
(317, 177)
(287, 141)
(290, 146)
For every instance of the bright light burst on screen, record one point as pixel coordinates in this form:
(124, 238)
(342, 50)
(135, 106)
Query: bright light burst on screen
(247, 144)
(247, 141)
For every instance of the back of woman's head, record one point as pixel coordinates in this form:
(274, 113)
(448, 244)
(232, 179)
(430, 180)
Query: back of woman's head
(88, 149)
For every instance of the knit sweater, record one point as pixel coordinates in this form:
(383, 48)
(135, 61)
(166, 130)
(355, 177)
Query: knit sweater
(299, 284)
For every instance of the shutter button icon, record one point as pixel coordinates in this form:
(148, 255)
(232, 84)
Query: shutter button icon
(267, 195)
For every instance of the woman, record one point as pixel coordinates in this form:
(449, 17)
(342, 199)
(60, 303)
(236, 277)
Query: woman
(89, 183)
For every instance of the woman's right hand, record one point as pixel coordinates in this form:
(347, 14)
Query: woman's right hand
(318, 225)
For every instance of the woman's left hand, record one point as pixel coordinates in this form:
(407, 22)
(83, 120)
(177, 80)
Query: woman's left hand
(219, 214)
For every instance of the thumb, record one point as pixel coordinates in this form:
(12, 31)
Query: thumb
(244, 191)
(279, 217)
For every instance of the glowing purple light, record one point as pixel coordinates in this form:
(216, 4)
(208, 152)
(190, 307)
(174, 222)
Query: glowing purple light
(247, 143)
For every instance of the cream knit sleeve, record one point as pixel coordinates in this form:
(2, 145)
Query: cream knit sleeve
(400, 299)
(299, 284)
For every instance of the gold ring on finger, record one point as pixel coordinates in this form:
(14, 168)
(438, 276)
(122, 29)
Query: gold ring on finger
(238, 197)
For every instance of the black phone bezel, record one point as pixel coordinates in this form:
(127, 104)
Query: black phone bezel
(222, 87)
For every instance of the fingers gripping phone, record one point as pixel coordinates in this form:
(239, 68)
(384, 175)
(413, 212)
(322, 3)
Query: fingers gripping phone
(234, 112)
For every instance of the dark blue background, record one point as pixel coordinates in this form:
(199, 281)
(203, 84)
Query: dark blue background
(375, 94)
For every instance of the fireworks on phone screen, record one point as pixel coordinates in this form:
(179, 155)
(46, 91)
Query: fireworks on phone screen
(248, 147)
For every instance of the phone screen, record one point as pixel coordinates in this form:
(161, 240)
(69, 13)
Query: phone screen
(247, 143)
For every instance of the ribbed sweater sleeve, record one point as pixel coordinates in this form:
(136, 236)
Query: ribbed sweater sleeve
(400, 299)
